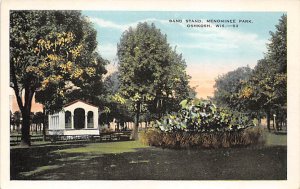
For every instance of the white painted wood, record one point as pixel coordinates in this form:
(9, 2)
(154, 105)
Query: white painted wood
(57, 120)
(82, 132)
(61, 120)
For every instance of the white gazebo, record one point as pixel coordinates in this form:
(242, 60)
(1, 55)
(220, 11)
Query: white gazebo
(76, 118)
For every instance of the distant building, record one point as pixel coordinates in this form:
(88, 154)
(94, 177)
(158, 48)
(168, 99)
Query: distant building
(76, 118)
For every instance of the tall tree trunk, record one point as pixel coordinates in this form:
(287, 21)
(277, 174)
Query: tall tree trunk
(269, 120)
(25, 110)
(25, 107)
(25, 130)
(277, 125)
(136, 122)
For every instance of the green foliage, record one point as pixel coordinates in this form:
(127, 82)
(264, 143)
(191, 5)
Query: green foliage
(152, 75)
(115, 105)
(263, 90)
(249, 136)
(85, 78)
(38, 118)
(150, 70)
(266, 89)
(227, 88)
(202, 116)
(16, 118)
(52, 54)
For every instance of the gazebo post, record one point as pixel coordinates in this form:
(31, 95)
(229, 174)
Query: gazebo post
(72, 121)
(85, 121)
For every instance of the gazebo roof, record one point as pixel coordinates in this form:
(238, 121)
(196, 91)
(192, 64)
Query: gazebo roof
(75, 101)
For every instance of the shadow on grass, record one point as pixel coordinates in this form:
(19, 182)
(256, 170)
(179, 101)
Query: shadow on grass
(26, 162)
(72, 162)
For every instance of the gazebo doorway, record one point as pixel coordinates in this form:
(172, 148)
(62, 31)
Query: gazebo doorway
(79, 118)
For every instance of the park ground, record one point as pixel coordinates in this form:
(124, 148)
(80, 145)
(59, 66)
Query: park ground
(131, 160)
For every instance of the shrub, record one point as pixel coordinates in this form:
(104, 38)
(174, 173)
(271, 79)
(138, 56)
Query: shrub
(183, 139)
(200, 123)
(202, 116)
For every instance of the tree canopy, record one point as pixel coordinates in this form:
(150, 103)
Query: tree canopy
(227, 88)
(51, 54)
(151, 72)
(114, 107)
(268, 83)
(263, 89)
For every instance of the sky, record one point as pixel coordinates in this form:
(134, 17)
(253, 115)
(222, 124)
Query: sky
(208, 51)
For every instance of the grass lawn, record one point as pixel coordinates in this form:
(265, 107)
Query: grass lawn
(131, 160)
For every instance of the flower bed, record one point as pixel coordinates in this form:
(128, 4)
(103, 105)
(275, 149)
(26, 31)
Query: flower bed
(202, 124)
(182, 139)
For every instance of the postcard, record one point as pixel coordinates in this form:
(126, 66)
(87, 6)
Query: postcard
(136, 94)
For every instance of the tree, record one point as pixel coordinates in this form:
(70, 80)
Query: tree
(91, 67)
(113, 107)
(51, 52)
(267, 86)
(265, 90)
(173, 86)
(38, 120)
(151, 72)
(228, 86)
(16, 118)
